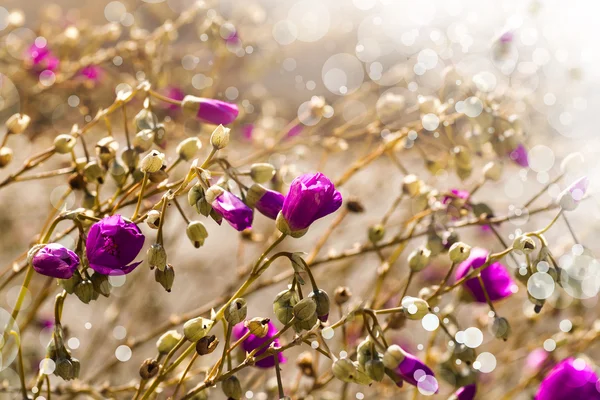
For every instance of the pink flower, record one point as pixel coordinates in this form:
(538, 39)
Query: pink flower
(42, 58)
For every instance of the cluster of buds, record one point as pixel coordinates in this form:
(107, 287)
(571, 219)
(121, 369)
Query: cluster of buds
(15, 125)
(86, 287)
(67, 367)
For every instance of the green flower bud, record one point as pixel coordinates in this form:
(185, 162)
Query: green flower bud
(165, 277)
(206, 345)
(106, 149)
(419, 259)
(157, 256)
(258, 326)
(220, 137)
(283, 305)
(168, 341)
(365, 351)
(414, 308)
(143, 140)
(130, 158)
(262, 172)
(152, 162)
(6, 156)
(84, 291)
(197, 328)
(393, 356)
(492, 171)
(411, 185)
(64, 368)
(195, 194)
(153, 219)
(500, 328)
(17, 123)
(305, 309)
(145, 119)
(375, 369)
(376, 233)
(523, 244)
(322, 300)
(149, 368)
(307, 324)
(188, 148)
(347, 371)
(236, 312)
(232, 388)
(197, 233)
(101, 284)
(93, 172)
(64, 143)
(459, 252)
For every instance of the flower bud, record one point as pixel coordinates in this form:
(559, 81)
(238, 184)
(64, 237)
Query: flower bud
(419, 259)
(6, 156)
(341, 295)
(160, 138)
(17, 123)
(236, 312)
(149, 368)
(101, 284)
(232, 388)
(414, 308)
(196, 328)
(346, 371)
(261, 172)
(197, 233)
(152, 162)
(220, 137)
(206, 345)
(165, 277)
(212, 193)
(376, 233)
(106, 149)
(393, 356)
(145, 119)
(500, 328)
(93, 172)
(187, 149)
(569, 199)
(492, 171)
(322, 300)
(85, 291)
(64, 368)
(258, 327)
(118, 172)
(305, 309)
(459, 252)
(156, 256)
(411, 185)
(143, 140)
(524, 244)
(375, 369)
(130, 158)
(168, 341)
(307, 324)
(365, 351)
(283, 305)
(153, 219)
(64, 143)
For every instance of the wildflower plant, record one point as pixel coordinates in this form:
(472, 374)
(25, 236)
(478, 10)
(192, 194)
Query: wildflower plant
(367, 250)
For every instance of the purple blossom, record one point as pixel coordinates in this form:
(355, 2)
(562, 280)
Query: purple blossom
(56, 261)
(311, 196)
(175, 93)
(569, 198)
(519, 155)
(295, 130)
(267, 202)
(496, 279)
(570, 379)
(238, 214)
(92, 73)
(247, 130)
(537, 360)
(217, 112)
(465, 393)
(112, 244)
(253, 342)
(415, 372)
(42, 58)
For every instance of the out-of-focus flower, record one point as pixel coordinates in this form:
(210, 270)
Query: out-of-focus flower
(247, 130)
(175, 93)
(569, 199)
(267, 202)
(496, 279)
(537, 360)
(415, 372)
(569, 379)
(311, 196)
(519, 155)
(212, 111)
(112, 244)
(93, 73)
(253, 342)
(41, 58)
(56, 261)
(295, 130)
(464, 393)
(231, 208)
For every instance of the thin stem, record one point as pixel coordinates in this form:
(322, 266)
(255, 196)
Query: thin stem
(187, 221)
(278, 374)
(139, 202)
(571, 231)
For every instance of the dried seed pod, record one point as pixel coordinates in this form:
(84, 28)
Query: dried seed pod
(153, 219)
(258, 327)
(93, 172)
(152, 162)
(459, 252)
(165, 277)
(17, 123)
(232, 388)
(206, 345)
(354, 205)
(376, 233)
(143, 140)
(500, 328)
(6, 156)
(149, 368)
(414, 308)
(341, 295)
(419, 259)
(64, 143)
(524, 244)
(236, 312)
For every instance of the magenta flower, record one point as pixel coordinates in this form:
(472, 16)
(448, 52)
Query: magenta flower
(175, 93)
(519, 155)
(233, 210)
(42, 58)
(253, 342)
(537, 360)
(465, 393)
(570, 379)
(295, 130)
(569, 198)
(496, 279)
(217, 112)
(247, 130)
(311, 196)
(92, 73)
(267, 202)
(112, 244)
(415, 372)
(56, 261)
